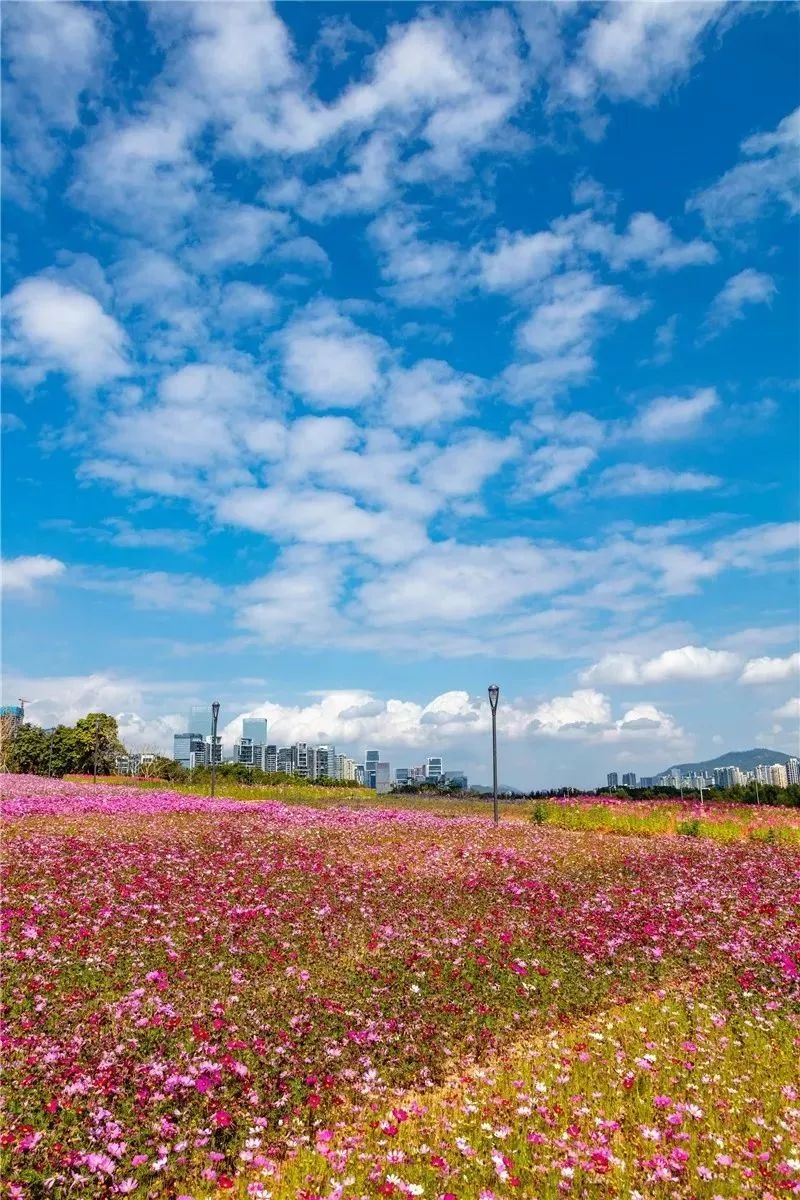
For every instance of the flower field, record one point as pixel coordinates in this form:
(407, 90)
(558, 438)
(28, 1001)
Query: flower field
(207, 998)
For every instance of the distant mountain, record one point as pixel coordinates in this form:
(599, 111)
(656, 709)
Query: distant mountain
(745, 760)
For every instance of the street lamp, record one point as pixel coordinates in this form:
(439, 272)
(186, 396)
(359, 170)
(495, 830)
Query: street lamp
(214, 717)
(494, 696)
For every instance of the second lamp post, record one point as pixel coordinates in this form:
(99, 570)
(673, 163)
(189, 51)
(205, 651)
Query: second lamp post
(214, 718)
(494, 696)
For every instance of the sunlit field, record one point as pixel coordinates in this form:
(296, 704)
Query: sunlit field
(208, 998)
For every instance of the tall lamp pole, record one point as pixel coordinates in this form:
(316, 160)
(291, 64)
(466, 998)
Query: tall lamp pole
(214, 718)
(494, 696)
(96, 743)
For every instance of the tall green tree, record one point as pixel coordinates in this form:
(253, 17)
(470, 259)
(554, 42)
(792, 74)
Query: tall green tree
(97, 733)
(26, 751)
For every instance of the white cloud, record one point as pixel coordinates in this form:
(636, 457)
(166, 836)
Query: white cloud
(428, 393)
(747, 288)
(647, 241)
(751, 549)
(235, 233)
(24, 573)
(790, 711)
(767, 179)
(571, 314)
(244, 304)
(553, 467)
(670, 418)
(465, 464)
(58, 328)
(419, 272)
(635, 51)
(330, 362)
(454, 583)
(687, 663)
(196, 424)
(549, 377)
(158, 590)
(584, 709)
(634, 479)
(323, 518)
(771, 670)
(297, 601)
(54, 56)
(520, 259)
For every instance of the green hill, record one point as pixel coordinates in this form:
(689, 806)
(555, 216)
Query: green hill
(745, 760)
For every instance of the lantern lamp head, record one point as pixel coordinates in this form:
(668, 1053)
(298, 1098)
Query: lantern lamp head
(494, 696)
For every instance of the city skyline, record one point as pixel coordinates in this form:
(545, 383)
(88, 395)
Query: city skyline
(355, 357)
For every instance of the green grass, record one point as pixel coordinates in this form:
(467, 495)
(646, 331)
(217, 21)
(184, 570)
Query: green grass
(779, 826)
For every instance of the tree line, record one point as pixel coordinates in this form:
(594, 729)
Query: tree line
(93, 742)
(64, 750)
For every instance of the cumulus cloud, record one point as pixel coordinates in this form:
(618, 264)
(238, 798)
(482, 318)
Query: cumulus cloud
(330, 362)
(55, 327)
(686, 663)
(23, 574)
(635, 51)
(54, 55)
(790, 710)
(428, 393)
(771, 670)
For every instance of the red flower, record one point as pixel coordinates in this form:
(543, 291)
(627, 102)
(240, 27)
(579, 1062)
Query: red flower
(222, 1118)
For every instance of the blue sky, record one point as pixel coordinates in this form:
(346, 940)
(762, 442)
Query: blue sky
(357, 356)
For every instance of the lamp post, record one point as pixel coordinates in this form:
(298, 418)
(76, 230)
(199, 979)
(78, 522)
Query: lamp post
(494, 696)
(214, 718)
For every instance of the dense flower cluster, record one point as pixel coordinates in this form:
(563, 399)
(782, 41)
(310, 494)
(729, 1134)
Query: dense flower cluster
(211, 997)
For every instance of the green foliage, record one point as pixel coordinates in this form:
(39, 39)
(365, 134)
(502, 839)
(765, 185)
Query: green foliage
(27, 750)
(539, 812)
(65, 750)
(97, 738)
(689, 828)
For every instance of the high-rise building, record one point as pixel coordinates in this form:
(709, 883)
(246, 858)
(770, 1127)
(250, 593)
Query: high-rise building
(401, 776)
(255, 728)
(370, 763)
(323, 759)
(345, 767)
(418, 774)
(646, 781)
(778, 775)
(629, 779)
(190, 750)
(383, 777)
(612, 779)
(762, 773)
(271, 758)
(359, 775)
(285, 760)
(304, 760)
(793, 770)
(433, 769)
(200, 719)
(249, 753)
